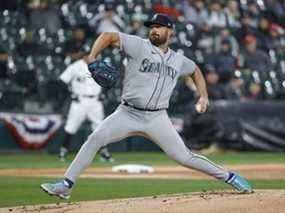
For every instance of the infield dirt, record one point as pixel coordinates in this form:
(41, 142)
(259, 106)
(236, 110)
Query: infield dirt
(253, 171)
(262, 201)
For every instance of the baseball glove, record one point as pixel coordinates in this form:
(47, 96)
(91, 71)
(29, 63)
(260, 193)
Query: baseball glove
(104, 74)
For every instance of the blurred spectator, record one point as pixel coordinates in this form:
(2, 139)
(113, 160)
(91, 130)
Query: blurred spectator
(225, 34)
(136, 26)
(254, 92)
(262, 34)
(204, 41)
(254, 12)
(107, 21)
(225, 62)
(215, 90)
(233, 89)
(29, 47)
(183, 95)
(74, 47)
(255, 59)
(215, 16)
(277, 38)
(194, 11)
(43, 16)
(276, 10)
(163, 8)
(245, 29)
(232, 14)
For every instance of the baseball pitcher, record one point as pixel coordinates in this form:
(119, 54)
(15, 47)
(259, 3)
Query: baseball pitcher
(150, 77)
(84, 106)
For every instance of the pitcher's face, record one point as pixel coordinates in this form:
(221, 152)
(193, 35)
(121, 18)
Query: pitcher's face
(159, 35)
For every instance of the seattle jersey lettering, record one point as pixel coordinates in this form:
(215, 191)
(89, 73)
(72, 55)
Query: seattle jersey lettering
(152, 67)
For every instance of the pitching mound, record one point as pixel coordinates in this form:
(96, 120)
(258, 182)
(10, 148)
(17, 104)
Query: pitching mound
(262, 201)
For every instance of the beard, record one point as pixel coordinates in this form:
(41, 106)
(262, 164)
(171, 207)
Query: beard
(157, 40)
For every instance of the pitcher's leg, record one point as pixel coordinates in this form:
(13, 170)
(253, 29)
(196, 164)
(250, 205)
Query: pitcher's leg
(164, 135)
(113, 128)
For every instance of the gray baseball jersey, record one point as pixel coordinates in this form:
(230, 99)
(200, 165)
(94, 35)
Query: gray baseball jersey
(150, 78)
(150, 75)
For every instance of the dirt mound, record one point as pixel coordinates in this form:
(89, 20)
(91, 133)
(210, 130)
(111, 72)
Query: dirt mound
(262, 201)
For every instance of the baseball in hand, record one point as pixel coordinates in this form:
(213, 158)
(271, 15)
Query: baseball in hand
(199, 108)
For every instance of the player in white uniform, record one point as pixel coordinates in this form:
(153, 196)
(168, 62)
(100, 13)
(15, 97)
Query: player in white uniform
(84, 106)
(150, 77)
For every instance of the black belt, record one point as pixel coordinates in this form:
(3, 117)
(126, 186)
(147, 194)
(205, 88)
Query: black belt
(77, 98)
(141, 109)
(88, 96)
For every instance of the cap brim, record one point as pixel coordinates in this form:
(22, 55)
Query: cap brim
(150, 23)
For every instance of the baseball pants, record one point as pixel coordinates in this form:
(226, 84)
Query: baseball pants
(156, 126)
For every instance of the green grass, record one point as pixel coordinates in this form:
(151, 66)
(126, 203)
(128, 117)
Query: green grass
(17, 191)
(36, 160)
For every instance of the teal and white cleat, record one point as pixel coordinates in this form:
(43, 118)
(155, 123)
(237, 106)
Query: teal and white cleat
(59, 189)
(239, 183)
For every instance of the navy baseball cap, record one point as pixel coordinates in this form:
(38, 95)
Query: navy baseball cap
(160, 19)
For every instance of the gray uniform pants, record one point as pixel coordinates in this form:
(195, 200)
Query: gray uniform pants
(126, 121)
